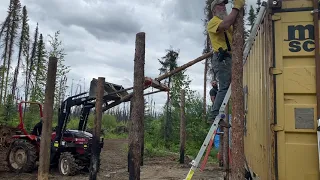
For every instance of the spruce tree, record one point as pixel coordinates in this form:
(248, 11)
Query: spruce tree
(24, 36)
(14, 26)
(251, 17)
(40, 72)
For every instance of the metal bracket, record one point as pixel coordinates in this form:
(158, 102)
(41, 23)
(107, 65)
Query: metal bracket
(275, 71)
(315, 11)
(277, 128)
(275, 4)
(275, 17)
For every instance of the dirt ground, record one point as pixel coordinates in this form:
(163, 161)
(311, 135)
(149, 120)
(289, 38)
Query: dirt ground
(114, 167)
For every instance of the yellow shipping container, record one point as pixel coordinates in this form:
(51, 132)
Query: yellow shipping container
(280, 94)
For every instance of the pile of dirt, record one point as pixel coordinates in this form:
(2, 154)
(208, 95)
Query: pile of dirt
(6, 132)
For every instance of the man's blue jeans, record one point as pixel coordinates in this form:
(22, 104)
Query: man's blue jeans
(222, 71)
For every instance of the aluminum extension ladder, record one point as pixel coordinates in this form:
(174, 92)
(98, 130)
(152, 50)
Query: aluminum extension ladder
(211, 133)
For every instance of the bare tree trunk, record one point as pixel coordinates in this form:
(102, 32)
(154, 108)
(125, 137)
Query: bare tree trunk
(237, 153)
(95, 158)
(182, 127)
(226, 146)
(45, 143)
(137, 112)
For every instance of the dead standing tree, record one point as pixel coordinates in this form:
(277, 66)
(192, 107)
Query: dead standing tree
(237, 133)
(137, 112)
(45, 144)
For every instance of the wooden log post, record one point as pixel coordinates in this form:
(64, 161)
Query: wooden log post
(129, 127)
(137, 115)
(45, 143)
(237, 132)
(221, 145)
(205, 78)
(205, 90)
(142, 137)
(226, 146)
(182, 127)
(95, 158)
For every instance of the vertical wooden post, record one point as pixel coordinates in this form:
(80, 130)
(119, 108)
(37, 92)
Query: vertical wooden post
(45, 143)
(237, 133)
(205, 78)
(137, 109)
(226, 146)
(221, 145)
(142, 138)
(182, 127)
(129, 127)
(205, 90)
(95, 158)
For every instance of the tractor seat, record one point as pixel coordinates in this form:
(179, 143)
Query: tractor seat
(37, 129)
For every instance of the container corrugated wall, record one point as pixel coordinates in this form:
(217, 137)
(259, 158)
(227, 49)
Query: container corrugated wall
(297, 151)
(258, 94)
(280, 96)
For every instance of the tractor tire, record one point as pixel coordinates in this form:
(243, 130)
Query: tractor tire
(22, 156)
(67, 164)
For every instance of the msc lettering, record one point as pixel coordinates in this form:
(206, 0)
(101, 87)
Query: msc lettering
(302, 41)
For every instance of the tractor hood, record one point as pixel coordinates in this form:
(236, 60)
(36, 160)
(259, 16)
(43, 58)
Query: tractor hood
(78, 134)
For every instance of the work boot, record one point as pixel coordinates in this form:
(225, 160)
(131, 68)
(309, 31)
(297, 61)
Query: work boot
(221, 123)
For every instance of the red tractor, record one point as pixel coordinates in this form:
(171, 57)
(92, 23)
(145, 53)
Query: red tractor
(24, 150)
(70, 149)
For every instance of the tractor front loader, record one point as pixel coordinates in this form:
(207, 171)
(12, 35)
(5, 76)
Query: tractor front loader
(70, 149)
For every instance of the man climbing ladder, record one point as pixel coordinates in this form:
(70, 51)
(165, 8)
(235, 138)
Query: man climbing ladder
(220, 32)
(220, 29)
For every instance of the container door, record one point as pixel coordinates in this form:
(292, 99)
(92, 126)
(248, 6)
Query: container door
(295, 110)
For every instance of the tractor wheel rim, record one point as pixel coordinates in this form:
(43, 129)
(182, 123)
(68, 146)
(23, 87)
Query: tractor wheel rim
(21, 156)
(18, 158)
(64, 166)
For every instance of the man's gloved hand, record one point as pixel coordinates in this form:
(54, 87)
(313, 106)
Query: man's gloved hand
(238, 4)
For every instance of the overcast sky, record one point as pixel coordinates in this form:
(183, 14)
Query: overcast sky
(99, 35)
